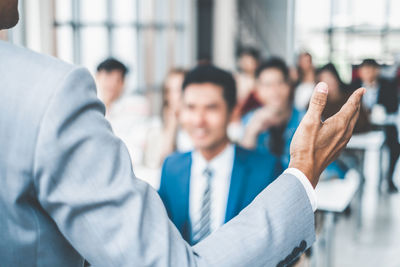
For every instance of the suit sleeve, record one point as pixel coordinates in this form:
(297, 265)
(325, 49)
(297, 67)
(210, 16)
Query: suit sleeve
(85, 182)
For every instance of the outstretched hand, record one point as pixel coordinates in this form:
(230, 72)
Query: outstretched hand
(316, 144)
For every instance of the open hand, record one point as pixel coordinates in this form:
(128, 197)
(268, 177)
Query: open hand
(316, 144)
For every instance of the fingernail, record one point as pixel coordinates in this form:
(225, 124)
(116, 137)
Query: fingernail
(322, 87)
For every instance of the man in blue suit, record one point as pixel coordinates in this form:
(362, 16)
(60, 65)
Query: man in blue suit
(207, 187)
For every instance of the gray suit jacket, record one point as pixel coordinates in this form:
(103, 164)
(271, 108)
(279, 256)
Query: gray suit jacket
(68, 192)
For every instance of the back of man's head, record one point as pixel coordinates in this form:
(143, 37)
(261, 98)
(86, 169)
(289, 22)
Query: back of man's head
(8, 13)
(211, 74)
(111, 64)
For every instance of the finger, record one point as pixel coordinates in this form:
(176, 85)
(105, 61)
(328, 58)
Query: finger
(352, 105)
(354, 119)
(318, 101)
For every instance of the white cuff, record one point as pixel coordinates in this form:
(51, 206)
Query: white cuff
(307, 185)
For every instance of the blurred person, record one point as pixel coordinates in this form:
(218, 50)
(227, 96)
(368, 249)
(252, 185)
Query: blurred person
(68, 191)
(248, 61)
(110, 78)
(304, 81)
(168, 136)
(338, 95)
(128, 114)
(270, 129)
(381, 92)
(174, 137)
(207, 187)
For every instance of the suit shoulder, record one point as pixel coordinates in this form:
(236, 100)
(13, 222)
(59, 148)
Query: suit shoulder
(176, 158)
(31, 62)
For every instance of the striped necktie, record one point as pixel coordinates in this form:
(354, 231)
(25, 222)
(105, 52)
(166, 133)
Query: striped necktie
(202, 227)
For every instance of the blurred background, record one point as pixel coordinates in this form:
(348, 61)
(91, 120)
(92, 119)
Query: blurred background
(358, 221)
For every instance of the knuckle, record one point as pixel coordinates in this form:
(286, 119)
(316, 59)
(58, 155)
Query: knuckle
(318, 100)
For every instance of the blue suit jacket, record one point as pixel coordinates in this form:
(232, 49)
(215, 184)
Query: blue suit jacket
(251, 173)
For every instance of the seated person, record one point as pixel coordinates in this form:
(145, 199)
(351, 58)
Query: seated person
(166, 135)
(338, 95)
(305, 81)
(127, 114)
(381, 92)
(248, 61)
(270, 129)
(208, 186)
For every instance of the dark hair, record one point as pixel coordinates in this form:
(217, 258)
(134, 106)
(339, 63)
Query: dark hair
(305, 53)
(214, 75)
(343, 87)
(274, 63)
(248, 50)
(112, 64)
(370, 62)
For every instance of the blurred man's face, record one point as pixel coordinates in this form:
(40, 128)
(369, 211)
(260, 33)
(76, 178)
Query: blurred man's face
(272, 88)
(368, 74)
(205, 115)
(8, 13)
(110, 84)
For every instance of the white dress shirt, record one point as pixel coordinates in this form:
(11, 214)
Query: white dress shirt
(221, 166)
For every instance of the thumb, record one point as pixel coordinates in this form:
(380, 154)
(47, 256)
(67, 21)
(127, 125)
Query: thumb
(318, 101)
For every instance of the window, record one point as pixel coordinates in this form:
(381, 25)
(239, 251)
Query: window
(347, 31)
(149, 36)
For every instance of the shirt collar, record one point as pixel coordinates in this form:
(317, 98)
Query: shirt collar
(225, 157)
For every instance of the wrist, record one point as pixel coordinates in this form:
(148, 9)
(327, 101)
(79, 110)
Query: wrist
(306, 167)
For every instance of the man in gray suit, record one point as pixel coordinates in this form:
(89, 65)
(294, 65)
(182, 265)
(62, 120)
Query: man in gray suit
(68, 192)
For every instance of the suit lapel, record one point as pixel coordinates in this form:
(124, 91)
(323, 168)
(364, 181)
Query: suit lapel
(182, 194)
(237, 184)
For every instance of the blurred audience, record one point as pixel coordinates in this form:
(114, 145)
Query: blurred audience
(380, 93)
(127, 114)
(304, 80)
(270, 128)
(208, 186)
